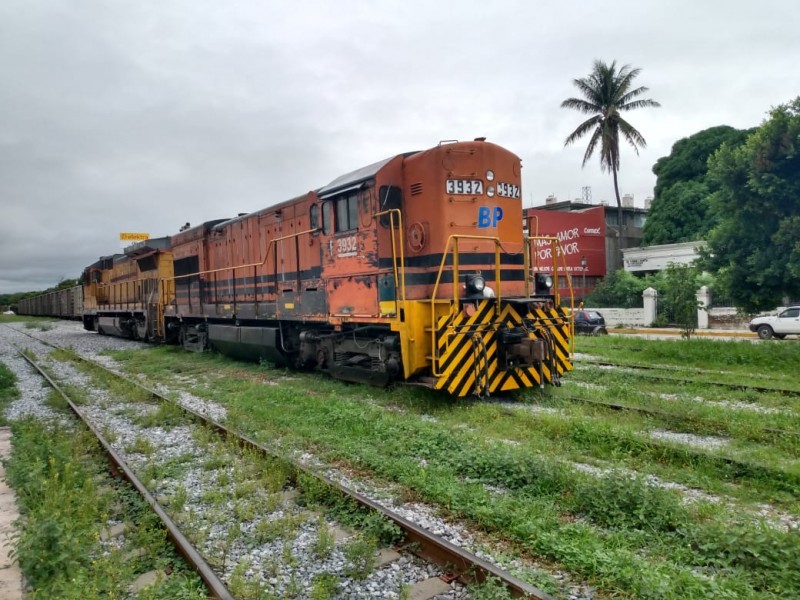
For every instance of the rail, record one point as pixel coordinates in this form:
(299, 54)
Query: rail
(467, 566)
(181, 543)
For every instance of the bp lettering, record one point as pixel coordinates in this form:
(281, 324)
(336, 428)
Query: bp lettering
(489, 216)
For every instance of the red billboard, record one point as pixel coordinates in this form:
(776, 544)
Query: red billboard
(580, 234)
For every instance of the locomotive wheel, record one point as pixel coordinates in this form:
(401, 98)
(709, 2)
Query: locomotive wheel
(765, 332)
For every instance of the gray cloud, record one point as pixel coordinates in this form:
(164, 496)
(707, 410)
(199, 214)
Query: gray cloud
(141, 116)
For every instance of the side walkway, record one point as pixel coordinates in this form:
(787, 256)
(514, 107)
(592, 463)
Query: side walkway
(10, 575)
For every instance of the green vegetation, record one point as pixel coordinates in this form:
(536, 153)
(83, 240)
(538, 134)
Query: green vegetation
(8, 391)
(680, 297)
(753, 249)
(42, 323)
(681, 207)
(509, 468)
(56, 473)
(676, 286)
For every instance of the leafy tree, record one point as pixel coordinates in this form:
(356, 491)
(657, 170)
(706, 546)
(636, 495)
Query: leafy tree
(755, 248)
(66, 283)
(680, 211)
(619, 289)
(679, 215)
(678, 297)
(607, 92)
(688, 159)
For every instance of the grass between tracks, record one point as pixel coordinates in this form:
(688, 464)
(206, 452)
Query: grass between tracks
(772, 363)
(66, 498)
(510, 471)
(8, 391)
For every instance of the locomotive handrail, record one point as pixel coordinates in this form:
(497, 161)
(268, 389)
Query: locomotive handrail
(391, 212)
(557, 254)
(453, 239)
(571, 303)
(271, 243)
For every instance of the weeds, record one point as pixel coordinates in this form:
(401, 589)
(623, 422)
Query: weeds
(326, 541)
(54, 472)
(324, 586)
(8, 390)
(626, 535)
(360, 555)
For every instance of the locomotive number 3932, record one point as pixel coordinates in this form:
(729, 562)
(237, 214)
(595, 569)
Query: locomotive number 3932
(347, 246)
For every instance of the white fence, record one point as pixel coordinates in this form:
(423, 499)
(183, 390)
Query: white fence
(712, 318)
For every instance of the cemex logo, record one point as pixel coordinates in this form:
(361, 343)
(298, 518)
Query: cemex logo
(489, 216)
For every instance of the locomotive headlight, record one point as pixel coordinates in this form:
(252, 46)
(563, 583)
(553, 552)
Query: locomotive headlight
(475, 284)
(544, 283)
(490, 175)
(490, 191)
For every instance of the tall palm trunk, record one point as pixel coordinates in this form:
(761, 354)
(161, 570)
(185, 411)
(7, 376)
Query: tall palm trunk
(620, 238)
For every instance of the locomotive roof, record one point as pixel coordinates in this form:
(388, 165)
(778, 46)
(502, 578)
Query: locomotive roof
(356, 178)
(148, 246)
(196, 232)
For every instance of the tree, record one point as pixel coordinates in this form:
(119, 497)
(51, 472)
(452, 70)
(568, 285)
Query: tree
(607, 92)
(681, 208)
(679, 297)
(755, 248)
(618, 289)
(679, 215)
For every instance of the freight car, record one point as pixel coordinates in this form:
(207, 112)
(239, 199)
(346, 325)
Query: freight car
(66, 303)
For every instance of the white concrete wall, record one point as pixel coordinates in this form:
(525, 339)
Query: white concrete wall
(630, 317)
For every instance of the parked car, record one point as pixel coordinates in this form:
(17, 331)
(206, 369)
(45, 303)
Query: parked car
(590, 322)
(786, 322)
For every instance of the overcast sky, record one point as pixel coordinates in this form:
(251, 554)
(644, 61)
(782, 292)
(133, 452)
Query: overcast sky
(140, 116)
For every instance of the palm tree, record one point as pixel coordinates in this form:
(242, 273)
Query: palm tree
(607, 92)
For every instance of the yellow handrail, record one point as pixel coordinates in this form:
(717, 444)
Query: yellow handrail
(247, 266)
(402, 280)
(453, 240)
(558, 253)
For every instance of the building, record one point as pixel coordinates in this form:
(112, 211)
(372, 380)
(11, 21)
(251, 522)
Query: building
(651, 259)
(589, 235)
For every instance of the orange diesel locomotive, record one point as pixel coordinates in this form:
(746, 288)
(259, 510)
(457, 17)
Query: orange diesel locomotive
(414, 268)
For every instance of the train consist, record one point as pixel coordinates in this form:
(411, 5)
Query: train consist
(414, 268)
(66, 303)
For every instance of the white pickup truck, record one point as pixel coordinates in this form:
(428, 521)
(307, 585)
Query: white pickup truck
(786, 322)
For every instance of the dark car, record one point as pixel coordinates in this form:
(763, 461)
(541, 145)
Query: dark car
(590, 322)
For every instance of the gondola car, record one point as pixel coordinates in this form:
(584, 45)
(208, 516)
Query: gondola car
(66, 303)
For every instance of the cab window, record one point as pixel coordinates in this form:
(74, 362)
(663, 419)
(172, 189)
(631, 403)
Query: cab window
(389, 197)
(313, 218)
(326, 218)
(347, 212)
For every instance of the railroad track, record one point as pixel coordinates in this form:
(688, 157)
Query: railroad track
(453, 562)
(667, 416)
(725, 384)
